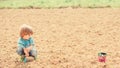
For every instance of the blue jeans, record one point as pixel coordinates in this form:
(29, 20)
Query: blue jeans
(32, 52)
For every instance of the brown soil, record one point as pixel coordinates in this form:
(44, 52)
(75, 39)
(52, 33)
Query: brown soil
(65, 38)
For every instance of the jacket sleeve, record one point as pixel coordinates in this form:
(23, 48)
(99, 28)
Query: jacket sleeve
(20, 43)
(31, 41)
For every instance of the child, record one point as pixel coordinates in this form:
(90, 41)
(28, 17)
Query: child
(26, 46)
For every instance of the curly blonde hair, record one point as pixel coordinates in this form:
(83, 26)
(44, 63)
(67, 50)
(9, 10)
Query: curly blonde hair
(25, 30)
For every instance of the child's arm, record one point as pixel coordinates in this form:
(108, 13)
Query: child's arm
(21, 44)
(26, 52)
(31, 44)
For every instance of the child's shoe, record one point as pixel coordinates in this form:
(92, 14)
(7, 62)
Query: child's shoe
(22, 58)
(25, 60)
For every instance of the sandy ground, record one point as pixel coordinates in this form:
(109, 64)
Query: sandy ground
(65, 38)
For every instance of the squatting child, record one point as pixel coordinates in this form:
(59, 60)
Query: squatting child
(26, 46)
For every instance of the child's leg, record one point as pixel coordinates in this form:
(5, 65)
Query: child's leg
(20, 51)
(33, 53)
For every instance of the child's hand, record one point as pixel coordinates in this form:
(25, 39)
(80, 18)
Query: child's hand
(26, 52)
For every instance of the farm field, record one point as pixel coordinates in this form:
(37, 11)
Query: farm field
(64, 38)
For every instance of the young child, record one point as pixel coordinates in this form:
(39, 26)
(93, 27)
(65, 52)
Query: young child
(26, 46)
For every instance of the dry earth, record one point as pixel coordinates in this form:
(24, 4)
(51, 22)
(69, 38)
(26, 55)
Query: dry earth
(65, 38)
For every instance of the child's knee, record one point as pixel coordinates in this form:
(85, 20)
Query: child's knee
(34, 53)
(20, 51)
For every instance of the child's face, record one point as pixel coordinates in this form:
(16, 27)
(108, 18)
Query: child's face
(26, 37)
